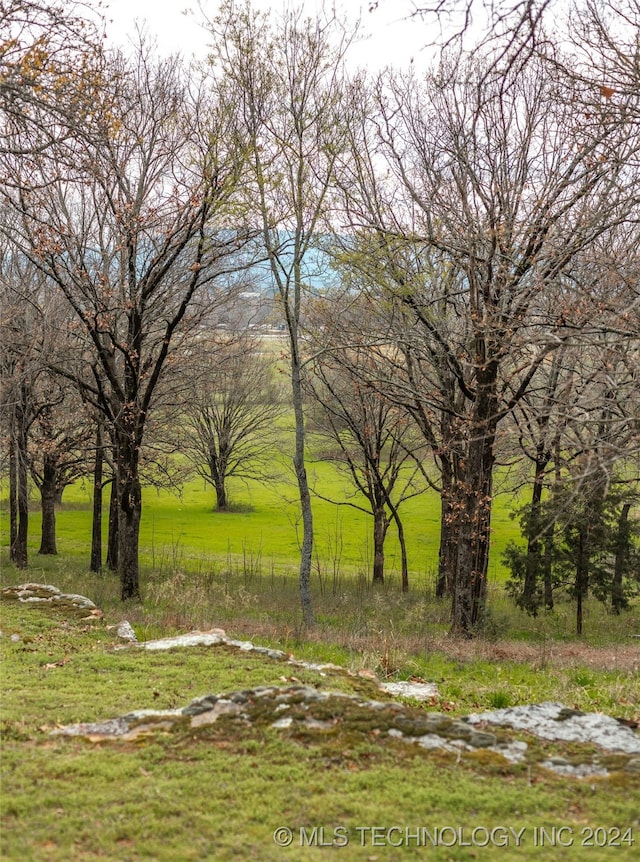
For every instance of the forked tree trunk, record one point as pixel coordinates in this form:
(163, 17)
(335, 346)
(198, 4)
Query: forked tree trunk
(403, 547)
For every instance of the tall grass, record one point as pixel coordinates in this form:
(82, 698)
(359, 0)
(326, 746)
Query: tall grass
(257, 596)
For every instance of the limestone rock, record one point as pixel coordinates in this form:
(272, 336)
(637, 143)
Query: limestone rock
(125, 631)
(415, 690)
(556, 722)
(47, 594)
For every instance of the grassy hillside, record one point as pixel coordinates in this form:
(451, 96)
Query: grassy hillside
(221, 792)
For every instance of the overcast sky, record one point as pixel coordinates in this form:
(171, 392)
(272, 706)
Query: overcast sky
(393, 38)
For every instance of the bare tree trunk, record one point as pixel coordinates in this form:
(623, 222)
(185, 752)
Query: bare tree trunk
(221, 496)
(448, 551)
(130, 510)
(403, 546)
(96, 526)
(112, 539)
(547, 571)
(532, 573)
(470, 591)
(129, 514)
(582, 576)
(380, 524)
(19, 554)
(306, 550)
(48, 502)
(621, 555)
(13, 490)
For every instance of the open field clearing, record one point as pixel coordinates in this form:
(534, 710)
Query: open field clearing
(221, 791)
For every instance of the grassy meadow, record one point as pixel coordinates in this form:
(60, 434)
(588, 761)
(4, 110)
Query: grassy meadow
(181, 529)
(222, 792)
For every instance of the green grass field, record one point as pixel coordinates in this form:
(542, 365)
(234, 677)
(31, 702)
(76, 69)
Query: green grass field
(181, 529)
(240, 567)
(221, 794)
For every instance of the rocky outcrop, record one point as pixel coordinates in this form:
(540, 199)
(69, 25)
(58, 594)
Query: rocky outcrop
(308, 712)
(46, 594)
(561, 724)
(412, 689)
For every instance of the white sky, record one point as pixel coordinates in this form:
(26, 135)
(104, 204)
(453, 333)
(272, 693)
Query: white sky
(393, 39)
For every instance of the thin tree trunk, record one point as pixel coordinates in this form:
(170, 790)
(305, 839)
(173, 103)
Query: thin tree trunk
(95, 563)
(582, 577)
(547, 569)
(403, 547)
(621, 556)
(306, 550)
(20, 552)
(528, 600)
(48, 503)
(380, 525)
(550, 530)
(13, 490)
(112, 537)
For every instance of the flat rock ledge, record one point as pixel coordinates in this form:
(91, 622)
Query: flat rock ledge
(562, 724)
(306, 712)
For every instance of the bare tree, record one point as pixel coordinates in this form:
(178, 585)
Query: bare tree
(59, 439)
(23, 335)
(579, 428)
(50, 73)
(497, 183)
(373, 439)
(232, 409)
(288, 83)
(511, 31)
(133, 237)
